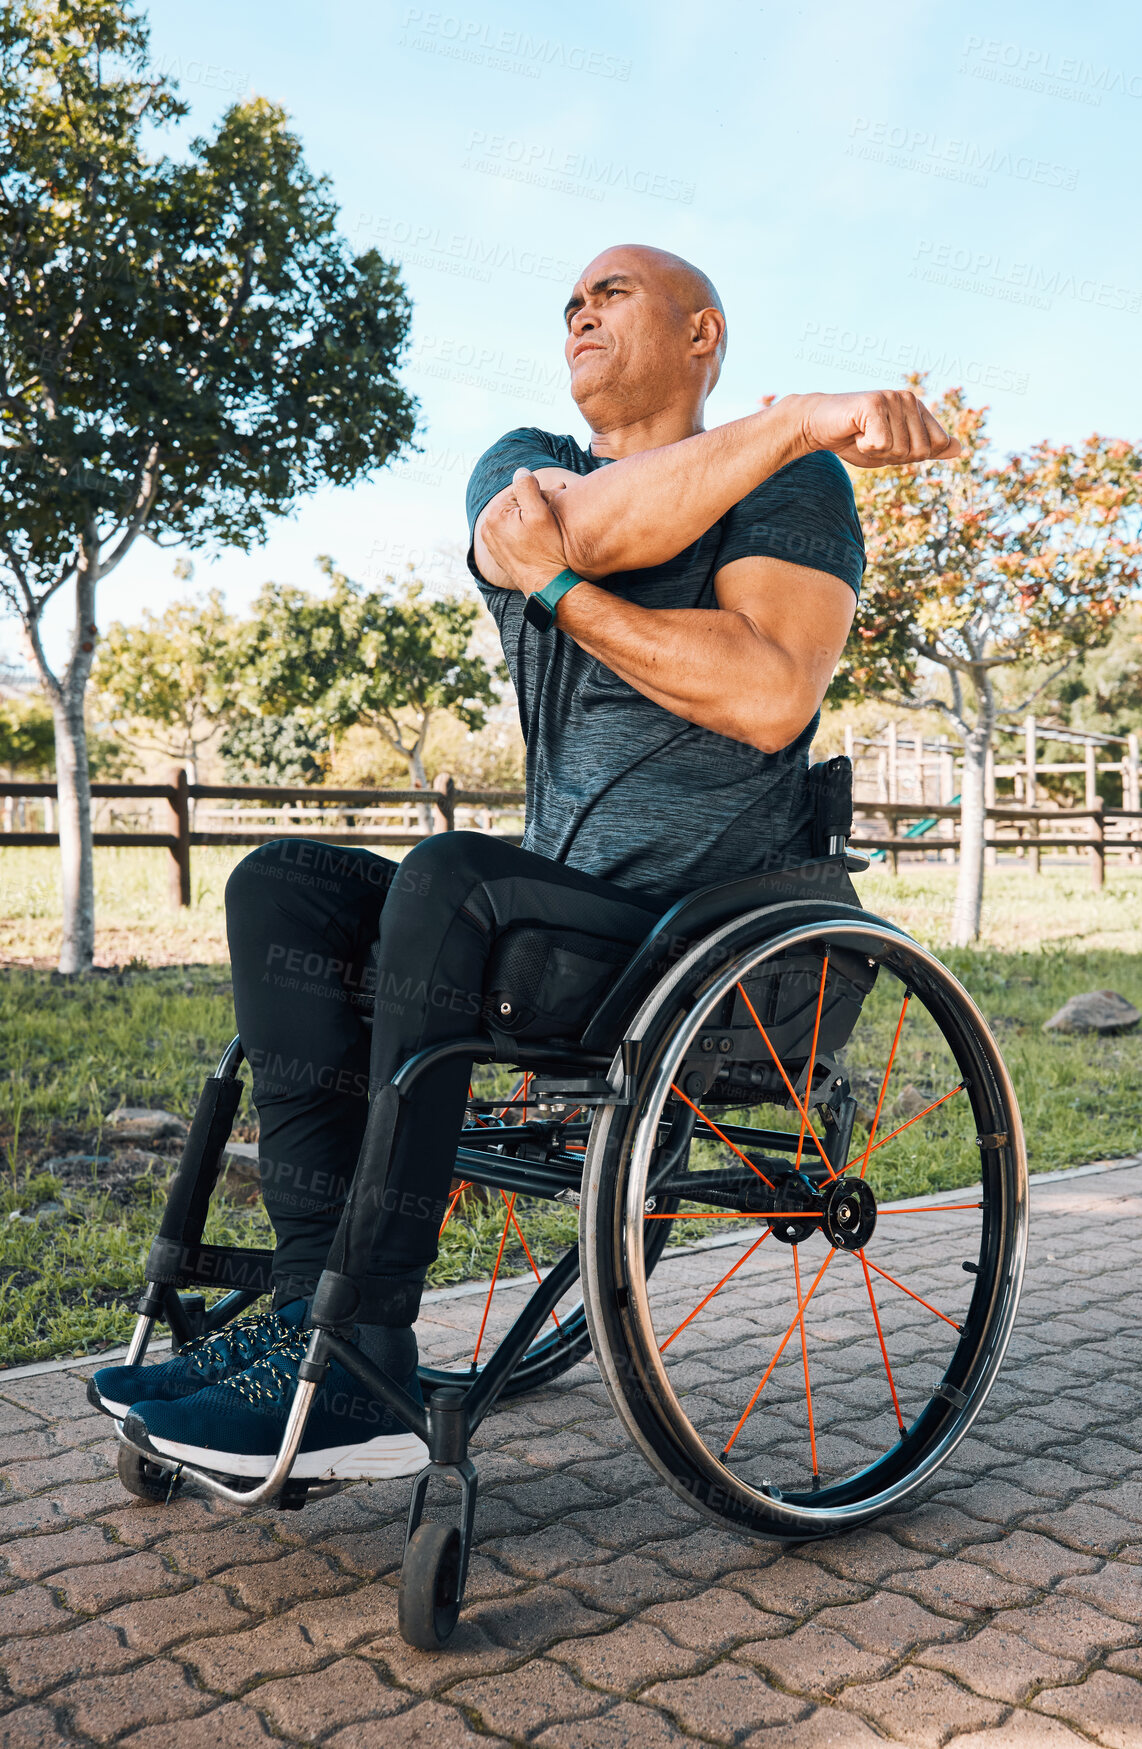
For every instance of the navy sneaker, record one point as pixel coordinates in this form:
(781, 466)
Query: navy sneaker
(235, 1428)
(205, 1361)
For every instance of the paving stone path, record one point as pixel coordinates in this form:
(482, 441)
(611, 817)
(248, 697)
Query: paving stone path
(1002, 1609)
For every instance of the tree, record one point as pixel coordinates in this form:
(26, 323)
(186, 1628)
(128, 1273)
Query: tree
(168, 681)
(1103, 691)
(274, 749)
(982, 573)
(185, 347)
(27, 737)
(27, 743)
(389, 658)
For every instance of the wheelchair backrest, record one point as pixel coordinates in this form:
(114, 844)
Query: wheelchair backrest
(694, 917)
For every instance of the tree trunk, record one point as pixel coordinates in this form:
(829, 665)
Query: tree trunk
(73, 777)
(973, 831)
(77, 867)
(418, 779)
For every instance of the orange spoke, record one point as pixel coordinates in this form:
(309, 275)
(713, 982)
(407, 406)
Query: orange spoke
(765, 1377)
(674, 1088)
(932, 1208)
(884, 1083)
(746, 1255)
(495, 1273)
(884, 1140)
(803, 1109)
(526, 1252)
(809, 1076)
(880, 1339)
(912, 1296)
(805, 1352)
(455, 1199)
(523, 1088)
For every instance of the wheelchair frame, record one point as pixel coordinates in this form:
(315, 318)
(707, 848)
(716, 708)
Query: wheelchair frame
(436, 1557)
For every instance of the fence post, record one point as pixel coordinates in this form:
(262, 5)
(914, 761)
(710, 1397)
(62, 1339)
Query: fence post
(445, 803)
(1132, 790)
(180, 832)
(1098, 849)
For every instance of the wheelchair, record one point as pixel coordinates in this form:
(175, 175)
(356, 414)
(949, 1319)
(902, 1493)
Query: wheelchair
(745, 1112)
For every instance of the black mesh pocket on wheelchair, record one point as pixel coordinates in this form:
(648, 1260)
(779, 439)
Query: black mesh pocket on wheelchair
(546, 983)
(784, 993)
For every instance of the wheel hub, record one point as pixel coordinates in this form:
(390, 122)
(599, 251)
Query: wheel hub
(794, 1193)
(848, 1214)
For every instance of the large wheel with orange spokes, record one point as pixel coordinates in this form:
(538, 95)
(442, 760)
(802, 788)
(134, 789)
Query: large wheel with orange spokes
(830, 1346)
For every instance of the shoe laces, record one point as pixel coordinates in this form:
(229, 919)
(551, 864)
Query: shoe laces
(273, 1376)
(237, 1345)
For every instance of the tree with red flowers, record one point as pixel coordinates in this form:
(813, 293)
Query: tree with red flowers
(986, 579)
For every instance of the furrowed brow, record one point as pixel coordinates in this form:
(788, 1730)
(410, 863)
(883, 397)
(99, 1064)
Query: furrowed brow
(599, 285)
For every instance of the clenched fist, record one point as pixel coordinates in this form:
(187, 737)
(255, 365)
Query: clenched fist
(876, 428)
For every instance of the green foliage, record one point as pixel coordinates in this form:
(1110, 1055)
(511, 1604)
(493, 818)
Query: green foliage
(387, 658)
(168, 680)
(27, 737)
(186, 346)
(1103, 691)
(284, 749)
(27, 743)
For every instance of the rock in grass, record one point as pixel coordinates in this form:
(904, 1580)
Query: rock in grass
(1095, 1011)
(910, 1102)
(138, 1123)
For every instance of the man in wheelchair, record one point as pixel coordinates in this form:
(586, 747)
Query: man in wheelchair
(672, 603)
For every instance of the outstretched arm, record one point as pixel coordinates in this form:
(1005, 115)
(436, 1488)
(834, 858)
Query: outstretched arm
(647, 508)
(754, 669)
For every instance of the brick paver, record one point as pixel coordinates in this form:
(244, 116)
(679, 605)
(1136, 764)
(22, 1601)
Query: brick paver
(1000, 1611)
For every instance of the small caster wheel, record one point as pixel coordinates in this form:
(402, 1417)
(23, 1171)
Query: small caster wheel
(428, 1607)
(147, 1481)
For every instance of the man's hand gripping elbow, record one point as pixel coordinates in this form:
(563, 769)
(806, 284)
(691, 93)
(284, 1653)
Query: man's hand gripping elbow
(522, 536)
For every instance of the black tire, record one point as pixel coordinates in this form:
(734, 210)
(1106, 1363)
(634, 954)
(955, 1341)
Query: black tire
(680, 1425)
(145, 1480)
(428, 1607)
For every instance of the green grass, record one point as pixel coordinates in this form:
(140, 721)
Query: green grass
(148, 1032)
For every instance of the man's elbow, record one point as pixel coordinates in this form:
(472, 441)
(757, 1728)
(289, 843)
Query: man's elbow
(583, 546)
(773, 730)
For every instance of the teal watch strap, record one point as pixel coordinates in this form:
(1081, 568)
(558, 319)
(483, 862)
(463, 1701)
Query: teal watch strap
(540, 608)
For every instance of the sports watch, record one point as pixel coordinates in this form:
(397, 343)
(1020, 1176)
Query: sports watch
(539, 609)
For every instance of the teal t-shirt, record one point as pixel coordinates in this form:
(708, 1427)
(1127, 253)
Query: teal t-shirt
(618, 786)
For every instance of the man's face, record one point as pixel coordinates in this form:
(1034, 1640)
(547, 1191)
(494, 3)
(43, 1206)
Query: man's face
(628, 343)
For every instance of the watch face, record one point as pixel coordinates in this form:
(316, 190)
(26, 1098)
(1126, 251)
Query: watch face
(538, 613)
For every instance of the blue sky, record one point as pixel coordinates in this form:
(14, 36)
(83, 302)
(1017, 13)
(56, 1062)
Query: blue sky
(914, 185)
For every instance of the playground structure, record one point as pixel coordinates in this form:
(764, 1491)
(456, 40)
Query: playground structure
(908, 777)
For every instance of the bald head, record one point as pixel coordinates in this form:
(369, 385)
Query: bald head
(646, 335)
(688, 287)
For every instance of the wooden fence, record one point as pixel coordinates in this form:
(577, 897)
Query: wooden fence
(338, 816)
(261, 812)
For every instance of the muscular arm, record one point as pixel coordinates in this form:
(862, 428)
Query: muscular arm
(646, 508)
(754, 669)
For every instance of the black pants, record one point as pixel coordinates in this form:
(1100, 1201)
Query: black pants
(320, 937)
